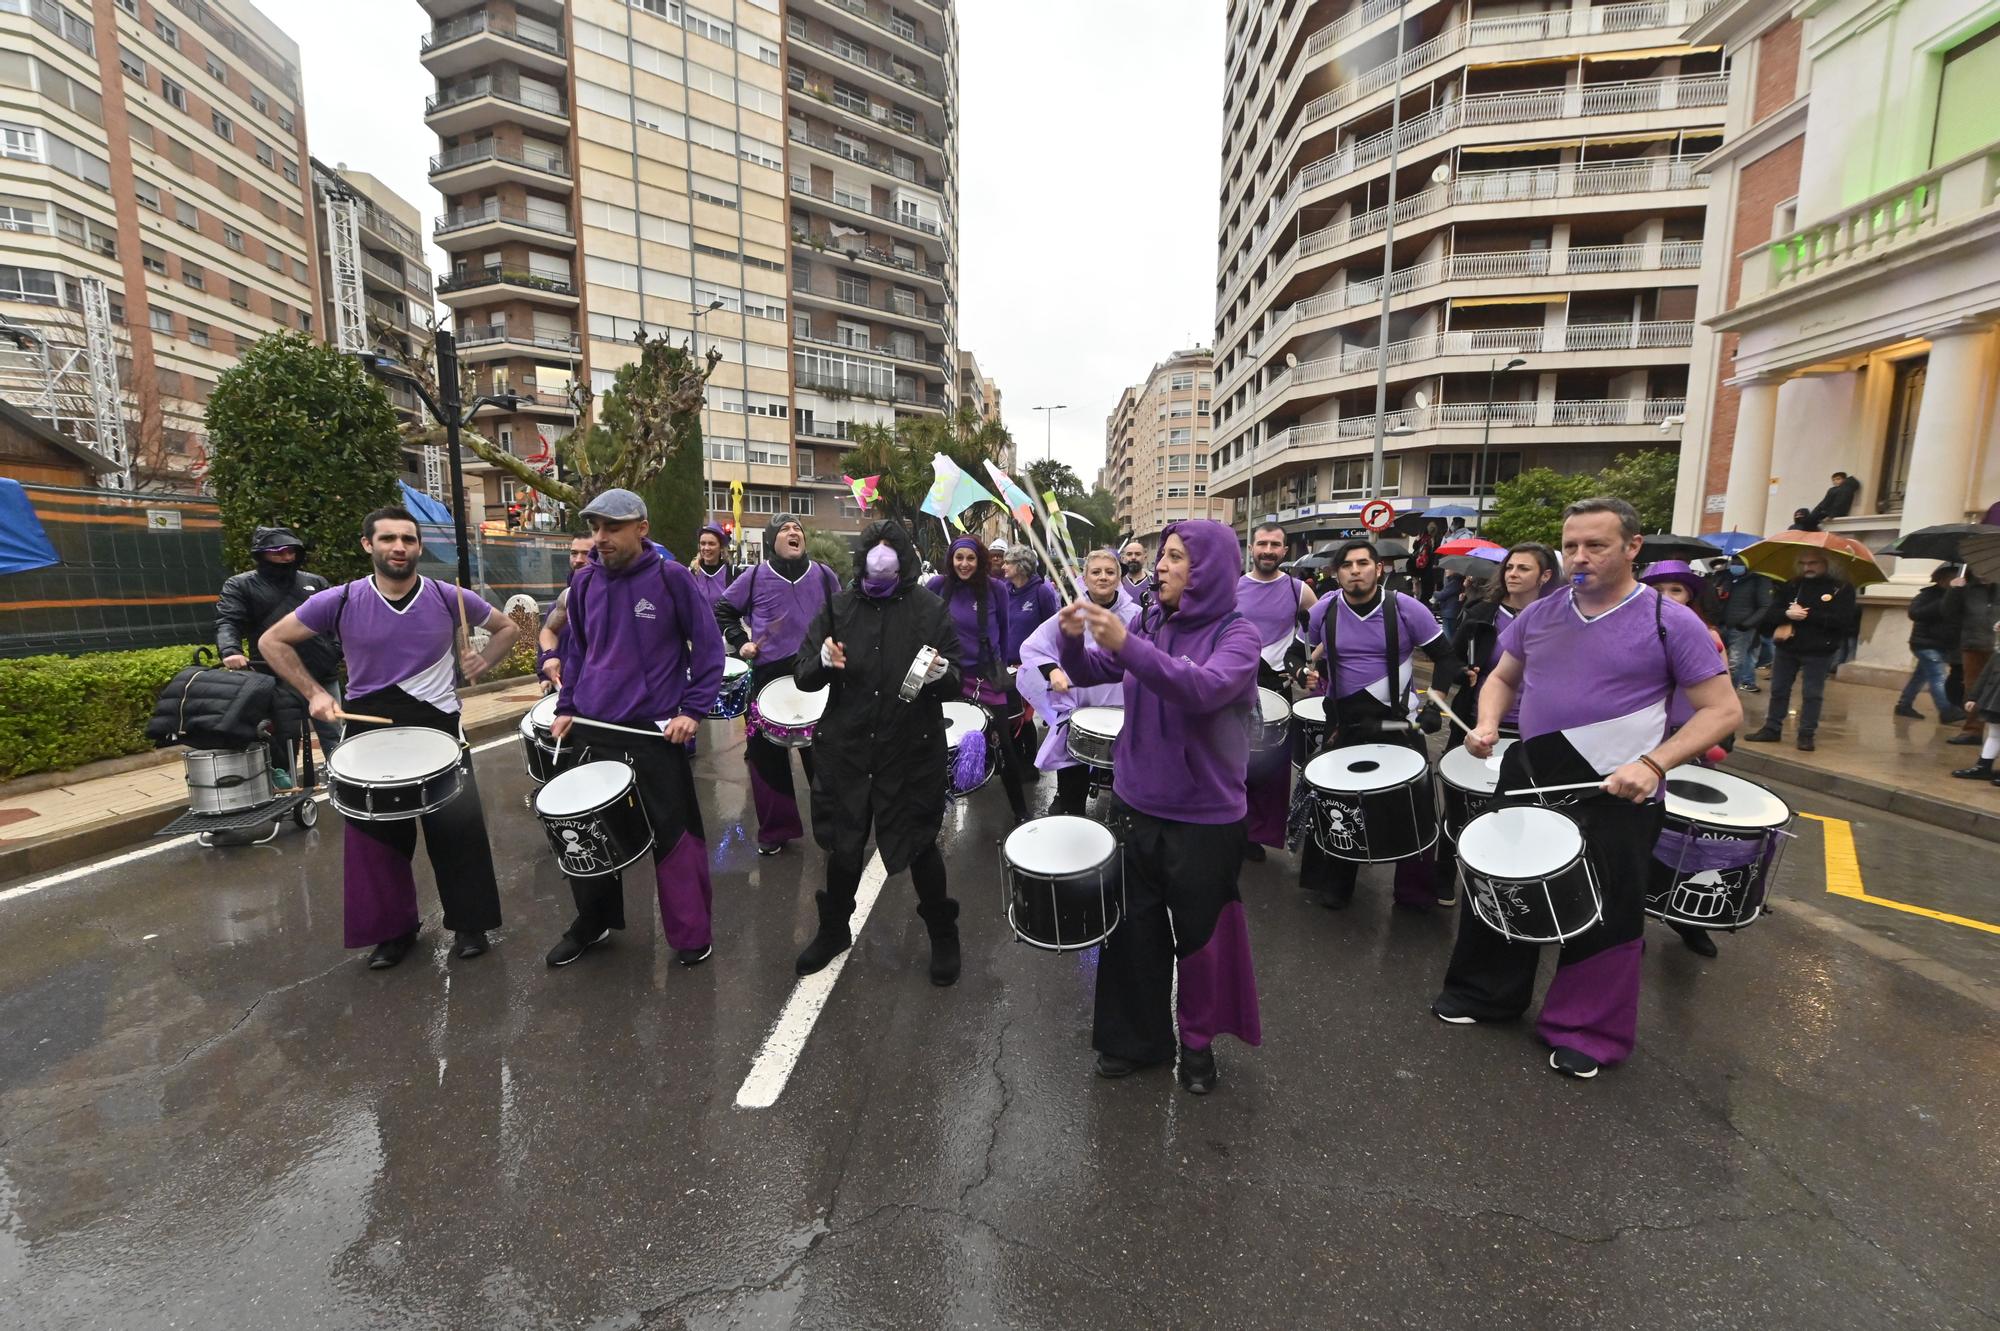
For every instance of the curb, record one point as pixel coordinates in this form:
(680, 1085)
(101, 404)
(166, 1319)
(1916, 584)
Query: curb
(90, 843)
(1918, 808)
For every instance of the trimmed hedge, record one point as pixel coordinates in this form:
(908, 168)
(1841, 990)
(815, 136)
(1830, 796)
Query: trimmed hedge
(58, 712)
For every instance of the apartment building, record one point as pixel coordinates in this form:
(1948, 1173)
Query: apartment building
(1852, 305)
(152, 151)
(394, 275)
(1157, 445)
(771, 178)
(979, 392)
(1547, 238)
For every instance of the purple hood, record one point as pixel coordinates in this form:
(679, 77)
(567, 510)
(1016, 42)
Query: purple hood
(1215, 561)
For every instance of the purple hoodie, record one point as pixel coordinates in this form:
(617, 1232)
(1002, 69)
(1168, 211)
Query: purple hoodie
(1190, 679)
(1027, 608)
(647, 649)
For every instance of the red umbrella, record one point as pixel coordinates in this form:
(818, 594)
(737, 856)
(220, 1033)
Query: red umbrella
(1465, 545)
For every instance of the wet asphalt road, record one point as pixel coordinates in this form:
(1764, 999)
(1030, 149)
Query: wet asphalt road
(212, 1117)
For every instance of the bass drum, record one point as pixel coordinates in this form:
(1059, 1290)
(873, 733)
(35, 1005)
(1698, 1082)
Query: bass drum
(1064, 881)
(1528, 876)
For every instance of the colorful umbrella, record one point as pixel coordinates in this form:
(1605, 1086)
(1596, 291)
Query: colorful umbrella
(1777, 556)
(1465, 545)
(1479, 563)
(1731, 542)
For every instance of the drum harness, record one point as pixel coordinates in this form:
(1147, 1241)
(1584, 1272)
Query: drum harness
(1392, 679)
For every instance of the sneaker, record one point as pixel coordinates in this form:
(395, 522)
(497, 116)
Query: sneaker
(1764, 736)
(1805, 745)
(1751, 687)
(1979, 771)
(569, 947)
(1967, 738)
(468, 943)
(1449, 897)
(392, 952)
(1904, 709)
(1450, 1014)
(1196, 1071)
(694, 956)
(1573, 1063)
(771, 849)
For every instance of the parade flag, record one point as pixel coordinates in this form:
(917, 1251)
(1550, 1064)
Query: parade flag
(1016, 498)
(864, 488)
(952, 492)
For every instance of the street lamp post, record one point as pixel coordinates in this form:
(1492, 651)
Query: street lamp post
(1049, 432)
(695, 317)
(1494, 369)
(1388, 262)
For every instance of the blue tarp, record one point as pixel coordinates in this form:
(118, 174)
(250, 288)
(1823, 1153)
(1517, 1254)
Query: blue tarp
(427, 509)
(24, 546)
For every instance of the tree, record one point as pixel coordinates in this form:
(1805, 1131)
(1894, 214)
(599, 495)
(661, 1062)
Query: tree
(901, 455)
(1100, 509)
(1646, 482)
(1051, 474)
(833, 550)
(299, 436)
(1529, 507)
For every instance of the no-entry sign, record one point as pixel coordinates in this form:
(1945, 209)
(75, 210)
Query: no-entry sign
(1377, 514)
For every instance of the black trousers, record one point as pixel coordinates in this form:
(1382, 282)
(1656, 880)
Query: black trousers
(934, 905)
(665, 781)
(1072, 791)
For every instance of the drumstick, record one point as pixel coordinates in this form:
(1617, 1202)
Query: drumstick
(339, 715)
(1445, 707)
(606, 725)
(464, 630)
(1550, 790)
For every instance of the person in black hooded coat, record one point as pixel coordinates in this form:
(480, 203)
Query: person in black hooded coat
(881, 760)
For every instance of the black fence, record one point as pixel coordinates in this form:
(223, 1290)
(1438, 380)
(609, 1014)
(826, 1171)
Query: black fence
(143, 570)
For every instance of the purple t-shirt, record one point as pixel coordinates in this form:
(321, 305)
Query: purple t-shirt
(776, 610)
(1604, 683)
(1274, 608)
(411, 648)
(1360, 652)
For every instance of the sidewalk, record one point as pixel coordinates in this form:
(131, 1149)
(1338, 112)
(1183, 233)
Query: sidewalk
(45, 826)
(1866, 754)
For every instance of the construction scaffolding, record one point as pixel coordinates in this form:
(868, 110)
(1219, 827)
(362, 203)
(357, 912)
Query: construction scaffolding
(73, 388)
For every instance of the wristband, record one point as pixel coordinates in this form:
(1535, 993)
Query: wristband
(1658, 770)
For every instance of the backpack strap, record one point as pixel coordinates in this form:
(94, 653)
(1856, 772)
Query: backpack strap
(1392, 682)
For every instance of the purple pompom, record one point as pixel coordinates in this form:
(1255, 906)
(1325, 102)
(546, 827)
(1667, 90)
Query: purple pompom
(970, 769)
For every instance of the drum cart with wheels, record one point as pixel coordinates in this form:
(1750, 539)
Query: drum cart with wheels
(220, 803)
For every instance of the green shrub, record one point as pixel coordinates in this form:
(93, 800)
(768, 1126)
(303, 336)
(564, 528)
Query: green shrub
(59, 712)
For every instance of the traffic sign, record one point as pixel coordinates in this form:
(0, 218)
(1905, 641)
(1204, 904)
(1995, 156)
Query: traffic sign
(1377, 514)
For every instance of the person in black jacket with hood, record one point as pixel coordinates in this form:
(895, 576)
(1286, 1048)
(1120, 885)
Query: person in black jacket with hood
(1933, 638)
(882, 759)
(252, 602)
(1811, 616)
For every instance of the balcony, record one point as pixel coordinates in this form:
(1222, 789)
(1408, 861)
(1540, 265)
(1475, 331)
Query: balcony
(859, 153)
(831, 246)
(497, 222)
(384, 275)
(482, 165)
(493, 99)
(874, 117)
(514, 281)
(892, 306)
(892, 77)
(930, 364)
(477, 39)
(445, 9)
(922, 227)
(1947, 204)
(903, 36)
(501, 341)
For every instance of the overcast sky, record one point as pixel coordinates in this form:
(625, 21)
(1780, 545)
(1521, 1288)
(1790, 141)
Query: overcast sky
(1089, 152)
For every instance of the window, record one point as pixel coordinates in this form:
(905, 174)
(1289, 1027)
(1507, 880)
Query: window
(711, 190)
(193, 276)
(221, 124)
(160, 321)
(175, 94)
(154, 259)
(186, 214)
(1183, 379)
(258, 102)
(232, 238)
(216, 71)
(27, 284)
(198, 334)
(757, 501)
(291, 170)
(20, 142)
(134, 67)
(802, 505)
(167, 31)
(226, 181)
(239, 295)
(130, 6)
(140, 131)
(21, 217)
(147, 193)
(266, 154)
(1454, 472)
(1965, 107)
(1350, 476)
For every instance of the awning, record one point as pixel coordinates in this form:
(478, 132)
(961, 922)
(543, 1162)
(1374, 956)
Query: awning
(1652, 53)
(1545, 145)
(1469, 302)
(1657, 137)
(1519, 64)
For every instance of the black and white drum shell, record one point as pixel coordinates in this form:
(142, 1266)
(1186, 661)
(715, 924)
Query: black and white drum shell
(1718, 852)
(1065, 882)
(594, 820)
(1527, 876)
(1309, 714)
(385, 776)
(228, 780)
(733, 698)
(1093, 734)
(540, 753)
(1467, 787)
(1372, 803)
(1271, 723)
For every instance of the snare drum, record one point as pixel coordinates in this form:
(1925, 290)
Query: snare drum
(381, 776)
(1310, 713)
(1271, 726)
(785, 714)
(733, 699)
(539, 750)
(966, 770)
(1466, 786)
(593, 818)
(1372, 803)
(228, 780)
(1065, 882)
(1093, 733)
(1718, 852)
(1527, 874)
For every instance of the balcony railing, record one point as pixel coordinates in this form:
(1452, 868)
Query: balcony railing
(446, 33)
(494, 212)
(474, 336)
(495, 275)
(796, 80)
(375, 267)
(486, 150)
(859, 205)
(901, 32)
(894, 71)
(1944, 196)
(868, 253)
(534, 99)
(859, 153)
(928, 356)
(890, 304)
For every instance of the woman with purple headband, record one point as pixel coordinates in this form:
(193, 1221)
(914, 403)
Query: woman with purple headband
(979, 612)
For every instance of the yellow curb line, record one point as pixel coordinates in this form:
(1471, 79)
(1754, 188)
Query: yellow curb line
(1843, 876)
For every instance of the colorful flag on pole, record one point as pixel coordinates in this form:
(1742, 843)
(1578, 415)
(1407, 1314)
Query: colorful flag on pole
(952, 492)
(864, 488)
(1016, 498)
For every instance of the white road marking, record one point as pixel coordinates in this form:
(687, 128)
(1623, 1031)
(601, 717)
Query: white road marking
(158, 847)
(787, 1041)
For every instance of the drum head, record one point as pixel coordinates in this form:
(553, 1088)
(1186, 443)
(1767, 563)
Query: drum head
(734, 668)
(1365, 767)
(1717, 799)
(1102, 721)
(543, 714)
(784, 703)
(1520, 843)
(1311, 710)
(581, 789)
(961, 719)
(1058, 846)
(1479, 775)
(400, 753)
(1273, 706)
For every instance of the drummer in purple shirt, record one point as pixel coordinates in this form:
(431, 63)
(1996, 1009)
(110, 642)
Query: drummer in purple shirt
(399, 632)
(1189, 667)
(711, 568)
(1137, 582)
(647, 657)
(1277, 603)
(1596, 667)
(764, 617)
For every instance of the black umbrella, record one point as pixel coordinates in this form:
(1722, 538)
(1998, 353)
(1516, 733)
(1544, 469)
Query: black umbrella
(1948, 541)
(1668, 546)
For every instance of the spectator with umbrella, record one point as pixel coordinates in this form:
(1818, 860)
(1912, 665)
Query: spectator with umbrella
(1811, 616)
(1933, 633)
(1972, 600)
(1744, 597)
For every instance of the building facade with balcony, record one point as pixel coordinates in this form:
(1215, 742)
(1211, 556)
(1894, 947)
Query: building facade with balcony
(1855, 304)
(771, 178)
(156, 147)
(1548, 211)
(395, 276)
(1156, 448)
